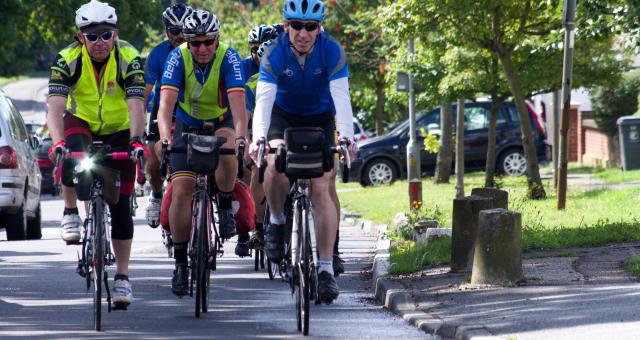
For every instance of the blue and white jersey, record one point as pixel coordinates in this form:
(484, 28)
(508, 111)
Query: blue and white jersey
(153, 71)
(304, 91)
(249, 68)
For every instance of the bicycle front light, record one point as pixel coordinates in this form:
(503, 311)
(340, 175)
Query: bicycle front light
(86, 164)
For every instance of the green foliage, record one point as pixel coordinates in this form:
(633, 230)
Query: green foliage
(431, 142)
(632, 265)
(610, 103)
(421, 213)
(407, 257)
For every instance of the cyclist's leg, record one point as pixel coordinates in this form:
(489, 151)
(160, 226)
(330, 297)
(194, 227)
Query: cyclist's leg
(338, 266)
(121, 219)
(152, 170)
(77, 137)
(226, 178)
(257, 192)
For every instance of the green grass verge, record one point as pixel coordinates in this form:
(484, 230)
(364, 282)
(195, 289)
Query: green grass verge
(31, 74)
(406, 257)
(633, 266)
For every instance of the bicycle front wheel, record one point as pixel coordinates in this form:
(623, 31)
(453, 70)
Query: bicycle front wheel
(97, 260)
(200, 266)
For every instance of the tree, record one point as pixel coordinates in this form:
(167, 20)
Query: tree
(525, 36)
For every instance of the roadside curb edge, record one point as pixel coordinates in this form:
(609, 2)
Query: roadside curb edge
(395, 297)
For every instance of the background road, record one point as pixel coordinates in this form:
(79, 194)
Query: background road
(42, 296)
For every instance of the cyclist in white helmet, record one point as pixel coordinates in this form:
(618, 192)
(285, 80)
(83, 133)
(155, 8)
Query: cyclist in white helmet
(112, 112)
(173, 19)
(204, 79)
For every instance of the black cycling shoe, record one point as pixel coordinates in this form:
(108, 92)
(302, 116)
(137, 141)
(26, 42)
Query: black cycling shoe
(338, 266)
(257, 240)
(327, 287)
(242, 249)
(227, 223)
(274, 242)
(180, 281)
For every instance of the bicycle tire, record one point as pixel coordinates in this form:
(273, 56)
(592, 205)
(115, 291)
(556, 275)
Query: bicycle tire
(198, 265)
(98, 261)
(209, 255)
(306, 259)
(256, 260)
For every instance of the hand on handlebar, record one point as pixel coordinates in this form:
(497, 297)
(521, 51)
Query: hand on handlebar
(351, 145)
(254, 150)
(58, 148)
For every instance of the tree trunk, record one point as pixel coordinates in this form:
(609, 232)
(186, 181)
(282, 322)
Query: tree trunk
(490, 169)
(536, 190)
(460, 150)
(380, 99)
(445, 154)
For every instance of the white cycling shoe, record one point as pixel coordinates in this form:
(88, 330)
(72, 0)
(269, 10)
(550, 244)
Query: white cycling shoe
(71, 228)
(122, 293)
(153, 212)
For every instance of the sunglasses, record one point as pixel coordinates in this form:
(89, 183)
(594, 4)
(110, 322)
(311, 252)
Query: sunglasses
(197, 44)
(105, 36)
(309, 26)
(174, 30)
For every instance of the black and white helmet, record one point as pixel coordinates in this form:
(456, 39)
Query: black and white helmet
(201, 22)
(259, 34)
(96, 13)
(175, 15)
(262, 48)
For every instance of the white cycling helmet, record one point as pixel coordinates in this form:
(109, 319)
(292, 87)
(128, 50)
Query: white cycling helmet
(201, 22)
(96, 14)
(176, 14)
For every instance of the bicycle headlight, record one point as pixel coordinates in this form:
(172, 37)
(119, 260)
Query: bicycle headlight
(86, 164)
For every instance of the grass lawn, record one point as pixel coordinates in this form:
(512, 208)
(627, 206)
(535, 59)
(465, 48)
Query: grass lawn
(591, 217)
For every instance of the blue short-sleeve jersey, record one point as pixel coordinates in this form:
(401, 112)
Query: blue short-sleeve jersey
(153, 71)
(304, 91)
(174, 76)
(249, 68)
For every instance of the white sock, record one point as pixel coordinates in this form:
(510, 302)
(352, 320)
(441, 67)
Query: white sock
(325, 265)
(278, 219)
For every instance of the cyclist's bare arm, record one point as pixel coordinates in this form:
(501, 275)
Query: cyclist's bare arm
(136, 116)
(168, 100)
(56, 106)
(237, 105)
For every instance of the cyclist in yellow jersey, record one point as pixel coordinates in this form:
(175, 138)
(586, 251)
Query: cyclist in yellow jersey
(96, 91)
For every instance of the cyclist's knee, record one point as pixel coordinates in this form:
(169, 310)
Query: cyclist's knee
(121, 221)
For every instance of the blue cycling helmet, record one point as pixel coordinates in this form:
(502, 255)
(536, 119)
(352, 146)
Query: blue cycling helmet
(175, 15)
(304, 10)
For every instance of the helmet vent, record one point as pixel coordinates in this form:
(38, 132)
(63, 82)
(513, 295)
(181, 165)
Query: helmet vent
(292, 5)
(305, 5)
(316, 8)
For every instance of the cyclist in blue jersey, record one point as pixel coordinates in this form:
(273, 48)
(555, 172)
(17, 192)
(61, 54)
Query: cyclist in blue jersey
(303, 81)
(250, 67)
(203, 77)
(173, 19)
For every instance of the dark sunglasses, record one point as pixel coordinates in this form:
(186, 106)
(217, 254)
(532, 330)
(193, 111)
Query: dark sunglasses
(174, 30)
(309, 26)
(197, 44)
(105, 36)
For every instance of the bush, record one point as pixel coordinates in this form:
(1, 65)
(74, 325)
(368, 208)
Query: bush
(609, 104)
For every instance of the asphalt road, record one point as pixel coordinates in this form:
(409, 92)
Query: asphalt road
(41, 296)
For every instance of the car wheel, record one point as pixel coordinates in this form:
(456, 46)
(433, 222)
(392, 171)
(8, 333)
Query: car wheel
(513, 162)
(34, 230)
(378, 172)
(17, 225)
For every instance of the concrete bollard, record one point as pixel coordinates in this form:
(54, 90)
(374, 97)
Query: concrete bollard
(434, 234)
(464, 230)
(500, 197)
(498, 248)
(420, 230)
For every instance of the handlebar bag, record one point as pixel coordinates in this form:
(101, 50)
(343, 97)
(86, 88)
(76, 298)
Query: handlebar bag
(306, 152)
(202, 153)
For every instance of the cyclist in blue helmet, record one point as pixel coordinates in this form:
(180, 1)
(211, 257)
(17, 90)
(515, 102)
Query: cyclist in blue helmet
(303, 82)
(173, 19)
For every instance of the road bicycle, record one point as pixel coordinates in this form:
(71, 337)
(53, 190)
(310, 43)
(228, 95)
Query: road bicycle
(205, 243)
(300, 262)
(99, 185)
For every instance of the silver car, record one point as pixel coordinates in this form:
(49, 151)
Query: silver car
(19, 176)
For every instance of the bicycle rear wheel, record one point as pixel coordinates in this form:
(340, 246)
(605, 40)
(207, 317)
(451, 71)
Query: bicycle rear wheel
(97, 260)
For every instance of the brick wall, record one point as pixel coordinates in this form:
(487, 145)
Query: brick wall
(575, 140)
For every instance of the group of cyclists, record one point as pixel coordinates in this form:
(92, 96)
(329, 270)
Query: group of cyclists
(296, 76)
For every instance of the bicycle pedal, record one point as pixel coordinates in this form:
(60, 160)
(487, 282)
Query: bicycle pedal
(73, 243)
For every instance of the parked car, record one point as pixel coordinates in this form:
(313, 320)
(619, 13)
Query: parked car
(46, 168)
(359, 133)
(19, 176)
(383, 159)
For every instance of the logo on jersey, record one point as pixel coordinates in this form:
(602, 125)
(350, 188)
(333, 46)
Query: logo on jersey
(171, 66)
(111, 87)
(62, 63)
(135, 65)
(317, 72)
(55, 75)
(288, 72)
(233, 60)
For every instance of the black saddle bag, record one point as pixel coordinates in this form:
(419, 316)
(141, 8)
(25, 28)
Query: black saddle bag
(307, 152)
(203, 152)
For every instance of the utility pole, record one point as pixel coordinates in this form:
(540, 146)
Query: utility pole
(413, 149)
(569, 23)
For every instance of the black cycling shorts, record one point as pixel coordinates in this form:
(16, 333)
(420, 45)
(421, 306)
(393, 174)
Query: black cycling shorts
(281, 120)
(178, 161)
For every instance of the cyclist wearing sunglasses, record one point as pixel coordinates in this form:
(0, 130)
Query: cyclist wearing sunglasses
(203, 77)
(303, 82)
(173, 19)
(96, 92)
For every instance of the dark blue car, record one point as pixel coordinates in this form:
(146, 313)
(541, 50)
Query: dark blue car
(382, 160)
